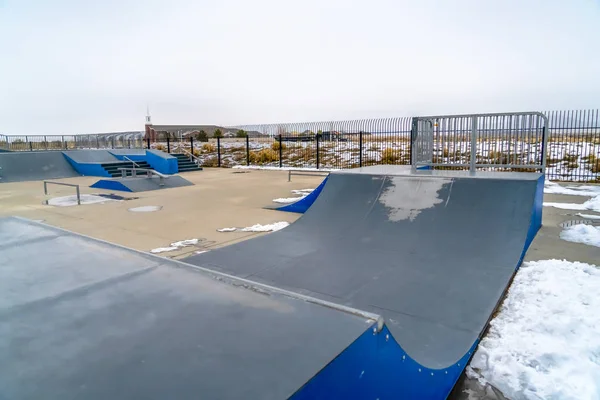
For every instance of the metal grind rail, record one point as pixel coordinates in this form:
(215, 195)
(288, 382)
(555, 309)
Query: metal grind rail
(63, 184)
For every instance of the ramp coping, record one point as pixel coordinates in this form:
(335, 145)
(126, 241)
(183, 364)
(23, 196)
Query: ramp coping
(246, 283)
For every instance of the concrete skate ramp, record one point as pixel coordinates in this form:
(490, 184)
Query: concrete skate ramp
(83, 319)
(33, 166)
(91, 156)
(431, 252)
(141, 183)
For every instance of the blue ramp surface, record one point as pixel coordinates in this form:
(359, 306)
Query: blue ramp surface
(83, 319)
(430, 251)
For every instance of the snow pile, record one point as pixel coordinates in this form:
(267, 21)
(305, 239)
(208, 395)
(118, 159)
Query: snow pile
(582, 233)
(543, 344)
(588, 216)
(555, 188)
(266, 228)
(175, 246)
(145, 209)
(67, 201)
(287, 200)
(301, 192)
(592, 204)
(226, 230)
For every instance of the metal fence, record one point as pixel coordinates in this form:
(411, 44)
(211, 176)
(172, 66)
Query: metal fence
(119, 140)
(572, 151)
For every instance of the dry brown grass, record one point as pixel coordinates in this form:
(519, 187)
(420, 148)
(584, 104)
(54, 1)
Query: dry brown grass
(263, 156)
(210, 162)
(570, 157)
(196, 152)
(595, 166)
(208, 148)
(572, 165)
(390, 156)
(275, 146)
(160, 147)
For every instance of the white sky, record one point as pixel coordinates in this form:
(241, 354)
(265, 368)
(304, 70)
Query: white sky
(82, 66)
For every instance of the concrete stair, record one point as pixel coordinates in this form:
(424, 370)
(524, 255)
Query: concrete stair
(184, 164)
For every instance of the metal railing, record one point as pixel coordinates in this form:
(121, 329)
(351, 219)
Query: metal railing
(501, 141)
(117, 140)
(63, 184)
(148, 172)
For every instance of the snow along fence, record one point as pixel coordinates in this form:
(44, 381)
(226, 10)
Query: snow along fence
(503, 143)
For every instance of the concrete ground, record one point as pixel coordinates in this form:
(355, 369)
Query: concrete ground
(220, 198)
(231, 198)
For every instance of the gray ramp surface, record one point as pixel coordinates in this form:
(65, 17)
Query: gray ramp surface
(83, 319)
(91, 156)
(33, 166)
(431, 252)
(141, 184)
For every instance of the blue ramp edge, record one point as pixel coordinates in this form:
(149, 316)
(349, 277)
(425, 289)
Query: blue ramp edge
(87, 169)
(375, 366)
(304, 204)
(110, 185)
(536, 216)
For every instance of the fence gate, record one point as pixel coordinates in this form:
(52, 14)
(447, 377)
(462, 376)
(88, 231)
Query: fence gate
(507, 141)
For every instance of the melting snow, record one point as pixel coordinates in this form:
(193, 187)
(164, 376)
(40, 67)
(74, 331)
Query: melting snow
(67, 201)
(266, 228)
(146, 209)
(555, 188)
(543, 344)
(582, 233)
(175, 246)
(286, 200)
(592, 204)
(226, 229)
(588, 216)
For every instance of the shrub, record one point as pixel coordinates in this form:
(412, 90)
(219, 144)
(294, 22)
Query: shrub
(263, 156)
(275, 146)
(595, 167)
(202, 136)
(572, 165)
(390, 156)
(196, 152)
(160, 147)
(210, 162)
(445, 152)
(570, 157)
(209, 148)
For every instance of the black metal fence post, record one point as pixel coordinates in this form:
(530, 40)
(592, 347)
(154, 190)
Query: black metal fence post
(148, 142)
(280, 152)
(247, 150)
(30, 146)
(63, 142)
(317, 137)
(168, 145)
(192, 148)
(218, 152)
(360, 147)
(46, 142)
(112, 142)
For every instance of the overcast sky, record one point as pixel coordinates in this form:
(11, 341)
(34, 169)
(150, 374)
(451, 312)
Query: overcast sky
(83, 66)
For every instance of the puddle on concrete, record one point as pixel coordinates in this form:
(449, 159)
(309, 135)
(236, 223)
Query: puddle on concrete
(240, 172)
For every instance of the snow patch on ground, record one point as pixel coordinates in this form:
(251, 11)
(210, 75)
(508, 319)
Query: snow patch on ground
(582, 233)
(543, 344)
(555, 188)
(592, 204)
(145, 209)
(67, 201)
(266, 228)
(287, 200)
(588, 216)
(226, 230)
(303, 192)
(175, 245)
